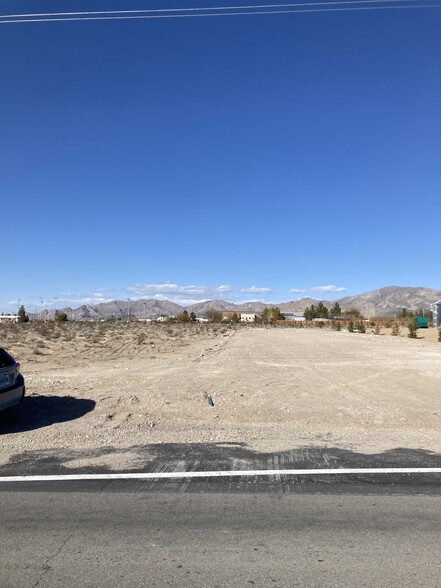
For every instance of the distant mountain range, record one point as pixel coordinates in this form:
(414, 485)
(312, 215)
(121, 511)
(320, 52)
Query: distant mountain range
(383, 302)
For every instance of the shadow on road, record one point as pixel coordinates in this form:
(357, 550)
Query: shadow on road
(38, 411)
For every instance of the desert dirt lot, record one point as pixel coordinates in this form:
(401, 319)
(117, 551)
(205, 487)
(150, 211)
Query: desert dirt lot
(122, 385)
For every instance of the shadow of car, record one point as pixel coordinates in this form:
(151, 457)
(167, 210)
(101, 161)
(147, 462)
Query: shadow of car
(38, 411)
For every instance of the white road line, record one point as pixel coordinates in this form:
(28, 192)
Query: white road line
(218, 474)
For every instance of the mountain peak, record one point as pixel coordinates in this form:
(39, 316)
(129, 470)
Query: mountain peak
(387, 301)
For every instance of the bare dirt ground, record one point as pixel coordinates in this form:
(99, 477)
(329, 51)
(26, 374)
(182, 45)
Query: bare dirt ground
(103, 385)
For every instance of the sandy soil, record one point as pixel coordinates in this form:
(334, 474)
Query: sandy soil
(97, 385)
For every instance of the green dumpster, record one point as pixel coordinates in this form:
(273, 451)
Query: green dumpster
(422, 322)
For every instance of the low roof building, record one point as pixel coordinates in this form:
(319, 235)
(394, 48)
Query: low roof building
(9, 318)
(247, 317)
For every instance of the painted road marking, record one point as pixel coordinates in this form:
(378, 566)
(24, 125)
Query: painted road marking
(218, 474)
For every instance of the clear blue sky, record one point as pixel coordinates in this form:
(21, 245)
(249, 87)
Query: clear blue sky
(251, 157)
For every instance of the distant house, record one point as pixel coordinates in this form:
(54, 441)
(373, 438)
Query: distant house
(162, 318)
(201, 319)
(9, 318)
(228, 315)
(247, 317)
(436, 310)
(290, 316)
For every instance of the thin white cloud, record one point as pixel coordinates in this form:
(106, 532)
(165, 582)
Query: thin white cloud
(298, 290)
(184, 295)
(67, 299)
(13, 302)
(328, 288)
(255, 290)
(62, 300)
(105, 291)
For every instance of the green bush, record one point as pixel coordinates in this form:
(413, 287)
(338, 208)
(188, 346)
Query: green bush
(361, 327)
(412, 330)
(61, 317)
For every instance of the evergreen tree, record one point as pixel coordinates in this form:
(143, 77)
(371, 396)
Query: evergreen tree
(321, 311)
(271, 315)
(412, 330)
(310, 313)
(277, 314)
(360, 326)
(22, 316)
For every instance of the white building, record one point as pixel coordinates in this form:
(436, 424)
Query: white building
(8, 318)
(436, 309)
(290, 316)
(247, 317)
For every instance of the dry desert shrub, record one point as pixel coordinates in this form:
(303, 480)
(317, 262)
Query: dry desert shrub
(395, 329)
(5, 334)
(83, 340)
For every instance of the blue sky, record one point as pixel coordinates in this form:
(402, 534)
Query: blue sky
(246, 158)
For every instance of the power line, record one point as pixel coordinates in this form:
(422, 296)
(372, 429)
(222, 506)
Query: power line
(49, 17)
(203, 9)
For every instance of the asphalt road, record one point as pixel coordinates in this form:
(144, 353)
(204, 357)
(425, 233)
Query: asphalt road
(250, 533)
